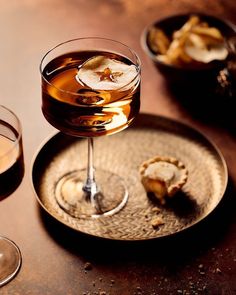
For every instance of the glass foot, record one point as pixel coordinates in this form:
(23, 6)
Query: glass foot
(10, 260)
(111, 197)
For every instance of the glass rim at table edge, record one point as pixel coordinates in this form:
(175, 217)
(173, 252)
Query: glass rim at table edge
(137, 65)
(19, 131)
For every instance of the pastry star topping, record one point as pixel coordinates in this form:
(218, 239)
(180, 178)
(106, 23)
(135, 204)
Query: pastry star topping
(108, 75)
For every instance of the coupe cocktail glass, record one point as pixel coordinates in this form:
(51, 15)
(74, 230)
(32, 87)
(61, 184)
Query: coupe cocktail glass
(90, 88)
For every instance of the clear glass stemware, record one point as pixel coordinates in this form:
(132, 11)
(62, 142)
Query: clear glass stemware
(11, 174)
(90, 88)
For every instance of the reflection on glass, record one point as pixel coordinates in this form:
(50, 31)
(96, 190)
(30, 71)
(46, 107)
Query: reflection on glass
(90, 88)
(11, 174)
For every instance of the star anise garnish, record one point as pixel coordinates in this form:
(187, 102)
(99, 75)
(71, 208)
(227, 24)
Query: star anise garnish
(108, 75)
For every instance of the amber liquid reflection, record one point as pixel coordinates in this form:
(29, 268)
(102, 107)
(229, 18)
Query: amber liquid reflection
(11, 160)
(79, 110)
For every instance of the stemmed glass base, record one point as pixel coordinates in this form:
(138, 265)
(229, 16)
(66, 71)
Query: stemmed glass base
(10, 260)
(106, 198)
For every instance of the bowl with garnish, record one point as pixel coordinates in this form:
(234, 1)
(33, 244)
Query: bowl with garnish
(188, 48)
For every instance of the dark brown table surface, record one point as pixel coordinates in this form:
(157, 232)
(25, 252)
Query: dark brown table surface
(199, 261)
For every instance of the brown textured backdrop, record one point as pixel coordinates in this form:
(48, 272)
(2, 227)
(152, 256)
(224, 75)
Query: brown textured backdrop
(202, 261)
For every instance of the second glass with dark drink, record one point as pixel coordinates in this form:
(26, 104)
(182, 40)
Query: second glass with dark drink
(11, 174)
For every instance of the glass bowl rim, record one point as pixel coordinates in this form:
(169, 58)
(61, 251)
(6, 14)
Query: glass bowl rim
(137, 65)
(19, 130)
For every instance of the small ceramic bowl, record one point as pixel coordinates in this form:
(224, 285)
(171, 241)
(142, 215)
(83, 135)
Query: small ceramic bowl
(202, 73)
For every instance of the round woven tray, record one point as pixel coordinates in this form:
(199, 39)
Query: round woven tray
(123, 153)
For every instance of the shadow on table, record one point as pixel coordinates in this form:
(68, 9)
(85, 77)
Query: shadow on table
(179, 249)
(206, 104)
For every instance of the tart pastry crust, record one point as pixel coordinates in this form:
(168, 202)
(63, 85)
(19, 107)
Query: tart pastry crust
(163, 176)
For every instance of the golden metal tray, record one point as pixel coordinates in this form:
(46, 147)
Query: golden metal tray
(123, 153)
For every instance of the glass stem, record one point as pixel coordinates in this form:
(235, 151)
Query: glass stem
(90, 186)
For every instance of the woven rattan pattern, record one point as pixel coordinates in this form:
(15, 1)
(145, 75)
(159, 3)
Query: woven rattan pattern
(122, 153)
